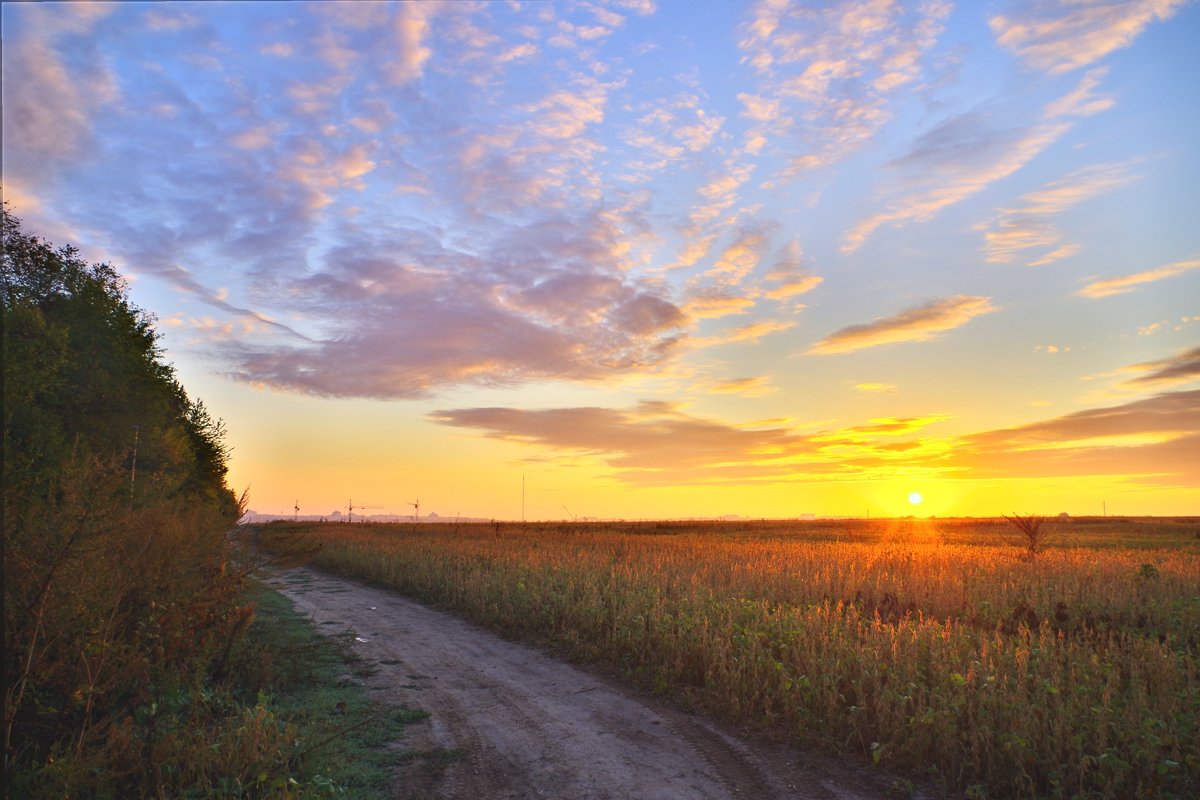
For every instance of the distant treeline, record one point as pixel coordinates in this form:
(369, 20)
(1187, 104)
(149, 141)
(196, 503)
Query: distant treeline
(120, 593)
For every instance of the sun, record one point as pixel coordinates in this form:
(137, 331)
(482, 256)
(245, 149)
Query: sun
(915, 498)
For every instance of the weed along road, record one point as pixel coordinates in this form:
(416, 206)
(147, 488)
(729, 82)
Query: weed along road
(508, 721)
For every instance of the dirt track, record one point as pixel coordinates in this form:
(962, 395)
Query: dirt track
(508, 721)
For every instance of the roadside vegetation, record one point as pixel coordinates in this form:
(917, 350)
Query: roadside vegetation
(128, 671)
(938, 649)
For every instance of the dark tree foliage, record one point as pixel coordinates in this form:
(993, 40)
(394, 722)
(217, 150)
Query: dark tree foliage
(83, 373)
(117, 586)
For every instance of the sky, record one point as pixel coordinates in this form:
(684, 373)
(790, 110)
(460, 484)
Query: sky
(646, 258)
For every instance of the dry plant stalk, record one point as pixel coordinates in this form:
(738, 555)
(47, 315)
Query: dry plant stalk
(1030, 527)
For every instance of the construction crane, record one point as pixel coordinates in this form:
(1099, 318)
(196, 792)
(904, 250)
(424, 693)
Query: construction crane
(416, 510)
(350, 510)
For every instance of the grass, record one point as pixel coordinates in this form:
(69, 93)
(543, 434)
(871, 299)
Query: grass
(931, 647)
(289, 720)
(342, 737)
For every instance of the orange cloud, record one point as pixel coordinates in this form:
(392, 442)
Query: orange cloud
(711, 303)
(1152, 441)
(745, 333)
(746, 387)
(914, 325)
(1127, 283)
(801, 284)
(1183, 367)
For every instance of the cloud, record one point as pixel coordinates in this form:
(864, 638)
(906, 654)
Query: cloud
(1027, 225)
(1059, 38)
(411, 28)
(406, 316)
(714, 302)
(656, 443)
(788, 278)
(740, 258)
(49, 111)
(1183, 367)
(794, 286)
(1127, 283)
(876, 388)
(278, 49)
(751, 332)
(959, 158)
(1083, 100)
(746, 387)
(914, 325)
(829, 71)
(1153, 440)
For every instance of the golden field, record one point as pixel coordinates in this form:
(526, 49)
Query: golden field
(937, 649)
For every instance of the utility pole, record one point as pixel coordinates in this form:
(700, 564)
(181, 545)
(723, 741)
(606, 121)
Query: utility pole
(133, 465)
(296, 509)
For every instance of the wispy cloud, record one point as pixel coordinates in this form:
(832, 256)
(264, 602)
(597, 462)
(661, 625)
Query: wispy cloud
(1183, 367)
(965, 154)
(1127, 283)
(788, 278)
(50, 112)
(1028, 227)
(917, 324)
(1058, 38)
(709, 303)
(751, 332)
(758, 386)
(876, 388)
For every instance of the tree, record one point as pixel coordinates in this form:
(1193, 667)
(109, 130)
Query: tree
(113, 591)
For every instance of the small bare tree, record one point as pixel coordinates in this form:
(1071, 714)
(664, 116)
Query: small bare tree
(1030, 527)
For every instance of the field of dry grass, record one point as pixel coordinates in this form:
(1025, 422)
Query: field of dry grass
(936, 648)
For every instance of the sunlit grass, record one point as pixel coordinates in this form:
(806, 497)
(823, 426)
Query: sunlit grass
(931, 647)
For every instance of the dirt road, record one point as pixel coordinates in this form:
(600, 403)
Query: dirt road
(508, 721)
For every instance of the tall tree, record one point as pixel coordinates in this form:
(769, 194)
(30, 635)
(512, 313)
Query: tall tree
(114, 587)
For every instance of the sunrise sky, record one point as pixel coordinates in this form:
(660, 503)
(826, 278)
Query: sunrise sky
(659, 259)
